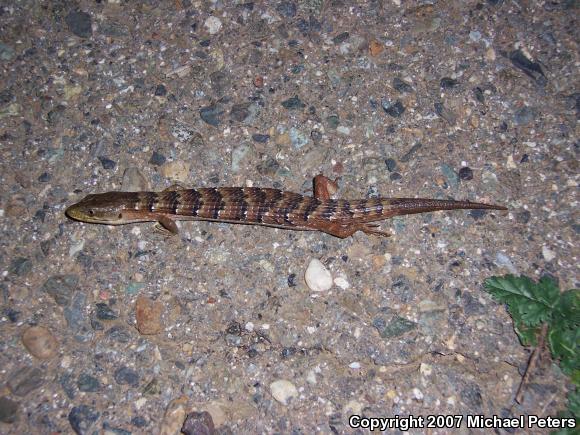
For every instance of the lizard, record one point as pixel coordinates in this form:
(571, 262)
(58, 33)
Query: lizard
(257, 206)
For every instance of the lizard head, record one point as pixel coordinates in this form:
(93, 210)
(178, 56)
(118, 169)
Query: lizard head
(109, 208)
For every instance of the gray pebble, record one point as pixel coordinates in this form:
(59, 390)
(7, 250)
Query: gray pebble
(220, 82)
(119, 334)
(525, 115)
(397, 327)
(7, 53)
(445, 113)
(448, 83)
(56, 114)
(471, 396)
(401, 86)
(211, 115)
(61, 288)
(401, 287)
(104, 312)
(391, 164)
(332, 121)
(20, 266)
(8, 410)
(67, 384)
(157, 159)
(450, 175)
(260, 138)
(107, 163)
(465, 173)
(88, 384)
(160, 90)
(287, 9)
(395, 109)
(477, 214)
(126, 376)
(293, 103)
(76, 319)
(23, 380)
(82, 417)
(139, 421)
(79, 23)
(341, 37)
(239, 112)
(198, 423)
(523, 217)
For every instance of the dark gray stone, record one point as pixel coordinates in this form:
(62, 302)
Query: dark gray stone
(212, 115)
(8, 410)
(20, 266)
(397, 327)
(23, 380)
(126, 376)
(82, 417)
(104, 312)
(79, 23)
(61, 288)
(88, 384)
(293, 103)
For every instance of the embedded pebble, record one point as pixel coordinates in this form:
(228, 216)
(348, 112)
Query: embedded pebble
(148, 316)
(297, 138)
(87, 383)
(126, 376)
(79, 23)
(82, 417)
(157, 159)
(213, 25)
(176, 171)
(174, 417)
(20, 266)
(134, 180)
(503, 260)
(8, 410)
(40, 342)
(104, 312)
(283, 391)
(23, 380)
(293, 103)
(318, 277)
(198, 423)
(548, 254)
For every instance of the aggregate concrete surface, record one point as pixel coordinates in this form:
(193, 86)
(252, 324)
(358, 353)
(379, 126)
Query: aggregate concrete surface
(123, 329)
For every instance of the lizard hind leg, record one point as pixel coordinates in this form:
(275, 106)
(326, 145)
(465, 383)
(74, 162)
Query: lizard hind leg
(324, 187)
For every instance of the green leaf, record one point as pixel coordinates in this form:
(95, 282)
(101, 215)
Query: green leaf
(568, 308)
(564, 345)
(574, 402)
(528, 335)
(528, 302)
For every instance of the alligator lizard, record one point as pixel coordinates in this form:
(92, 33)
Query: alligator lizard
(257, 206)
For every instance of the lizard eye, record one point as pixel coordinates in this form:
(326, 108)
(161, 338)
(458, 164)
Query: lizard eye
(91, 212)
(120, 216)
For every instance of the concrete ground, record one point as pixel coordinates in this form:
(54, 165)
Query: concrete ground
(121, 330)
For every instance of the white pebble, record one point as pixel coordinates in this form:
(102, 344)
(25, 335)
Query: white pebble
(354, 365)
(548, 254)
(417, 394)
(249, 327)
(283, 390)
(340, 281)
(317, 276)
(213, 25)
